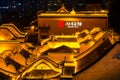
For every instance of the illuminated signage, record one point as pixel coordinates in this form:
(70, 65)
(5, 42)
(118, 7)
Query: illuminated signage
(69, 24)
(73, 24)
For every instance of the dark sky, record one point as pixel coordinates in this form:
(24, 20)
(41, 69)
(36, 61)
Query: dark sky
(93, 1)
(114, 15)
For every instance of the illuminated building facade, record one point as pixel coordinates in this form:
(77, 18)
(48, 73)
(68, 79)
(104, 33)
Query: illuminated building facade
(55, 55)
(63, 21)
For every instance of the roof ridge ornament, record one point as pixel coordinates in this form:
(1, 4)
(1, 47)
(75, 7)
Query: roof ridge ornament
(62, 9)
(73, 11)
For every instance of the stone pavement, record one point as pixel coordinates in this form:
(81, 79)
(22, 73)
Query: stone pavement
(107, 68)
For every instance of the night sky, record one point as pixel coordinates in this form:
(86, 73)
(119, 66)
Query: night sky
(114, 15)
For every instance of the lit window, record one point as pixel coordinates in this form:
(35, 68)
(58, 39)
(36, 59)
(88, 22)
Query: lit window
(13, 16)
(20, 16)
(19, 4)
(14, 6)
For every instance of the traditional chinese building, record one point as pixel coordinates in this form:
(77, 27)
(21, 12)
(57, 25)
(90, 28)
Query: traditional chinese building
(72, 42)
(63, 21)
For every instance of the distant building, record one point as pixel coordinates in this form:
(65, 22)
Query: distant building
(19, 11)
(53, 5)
